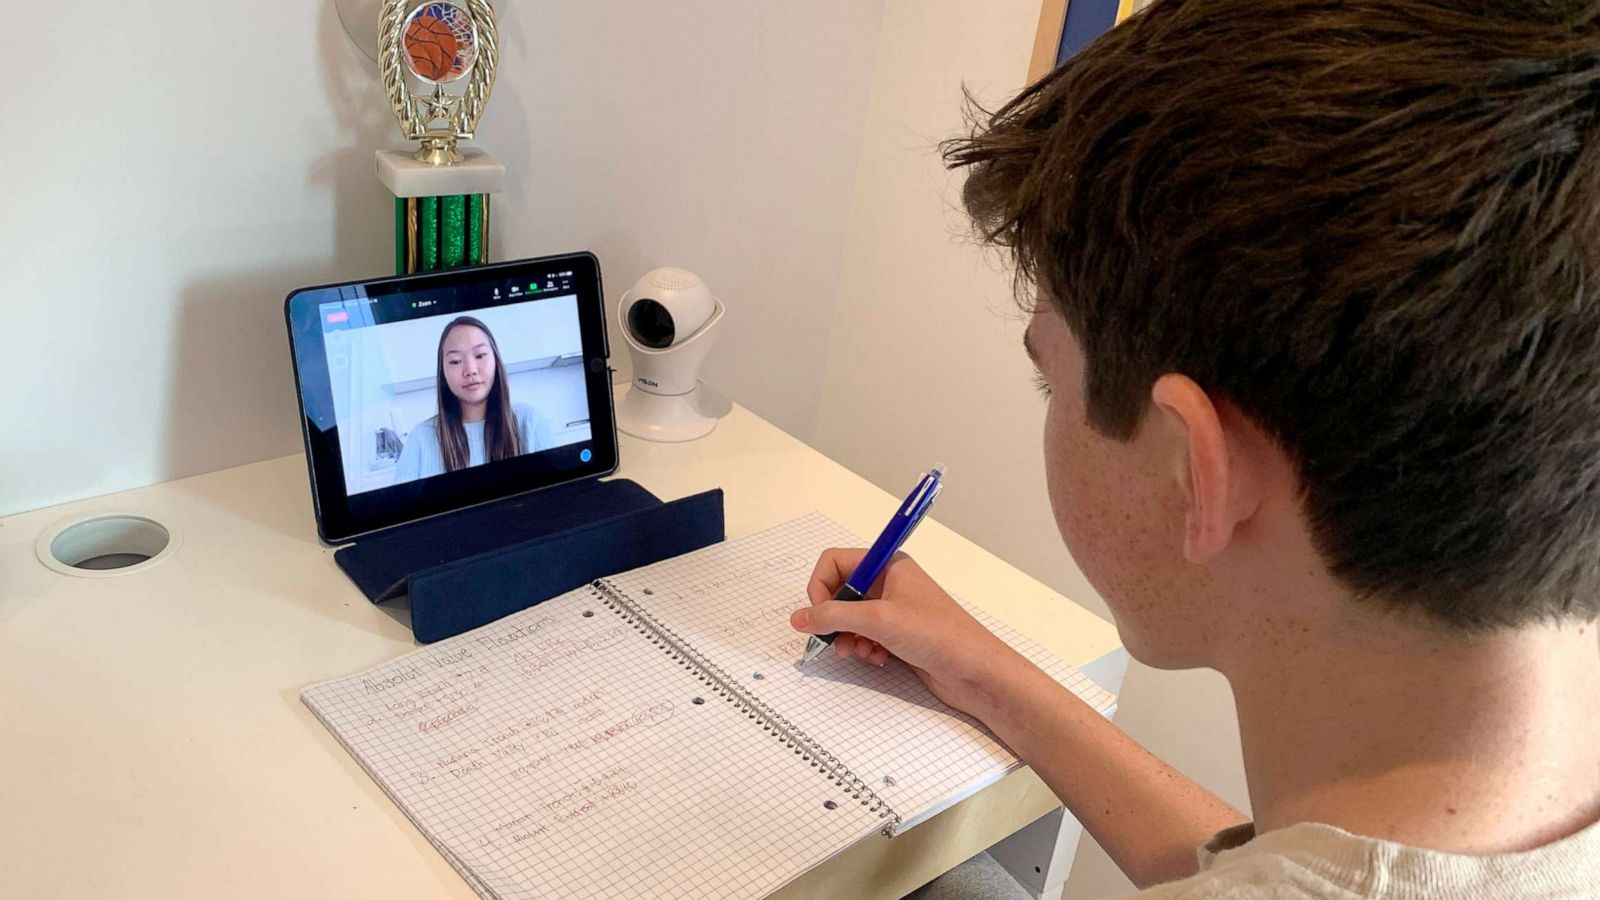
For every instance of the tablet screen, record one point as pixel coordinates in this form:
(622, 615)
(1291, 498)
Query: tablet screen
(425, 394)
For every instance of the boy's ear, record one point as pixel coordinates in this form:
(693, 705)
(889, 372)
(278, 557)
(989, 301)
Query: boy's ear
(1216, 483)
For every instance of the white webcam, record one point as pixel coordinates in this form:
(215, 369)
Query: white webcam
(670, 320)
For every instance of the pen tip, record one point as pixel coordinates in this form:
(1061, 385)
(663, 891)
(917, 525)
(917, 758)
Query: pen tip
(814, 649)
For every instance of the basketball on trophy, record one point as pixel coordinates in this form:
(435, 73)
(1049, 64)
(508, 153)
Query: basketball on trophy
(430, 47)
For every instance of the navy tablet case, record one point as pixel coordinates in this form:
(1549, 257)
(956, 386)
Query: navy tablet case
(470, 567)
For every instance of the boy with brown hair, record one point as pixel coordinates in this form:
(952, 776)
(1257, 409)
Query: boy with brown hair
(1318, 320)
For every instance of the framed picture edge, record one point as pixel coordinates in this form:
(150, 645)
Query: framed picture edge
(1047, 41)
(1052, 27)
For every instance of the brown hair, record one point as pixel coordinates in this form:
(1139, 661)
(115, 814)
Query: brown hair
(1373, 225)
(502, 439)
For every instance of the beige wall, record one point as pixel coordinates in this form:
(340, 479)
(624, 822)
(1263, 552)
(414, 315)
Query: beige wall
(926, 362)
(172, 176)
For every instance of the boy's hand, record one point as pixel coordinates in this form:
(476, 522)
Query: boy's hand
(909, 616)
(1146, 814)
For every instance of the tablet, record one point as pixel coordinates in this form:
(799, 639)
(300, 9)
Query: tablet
(425, 394)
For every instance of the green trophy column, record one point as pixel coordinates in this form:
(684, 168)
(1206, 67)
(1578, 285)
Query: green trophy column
(443, 232)
(452, 231)
(441, 212)
(478, 229)
(402, 238)
(427, 233)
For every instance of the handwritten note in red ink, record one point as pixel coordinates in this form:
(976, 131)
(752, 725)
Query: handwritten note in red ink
(553, 754)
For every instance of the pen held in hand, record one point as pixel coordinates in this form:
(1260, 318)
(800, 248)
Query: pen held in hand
(905, 521)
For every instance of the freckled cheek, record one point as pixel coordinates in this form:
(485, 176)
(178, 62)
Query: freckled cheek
(1055, 468)
(1078, 489)
(1102, 509)
(1090, 530)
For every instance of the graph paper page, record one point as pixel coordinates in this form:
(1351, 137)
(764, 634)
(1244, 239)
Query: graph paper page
(732, 602)
(559, 753)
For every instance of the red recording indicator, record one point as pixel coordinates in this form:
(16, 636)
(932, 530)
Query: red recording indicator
(337, 317)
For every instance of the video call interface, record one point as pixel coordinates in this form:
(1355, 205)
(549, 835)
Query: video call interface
(424, 384)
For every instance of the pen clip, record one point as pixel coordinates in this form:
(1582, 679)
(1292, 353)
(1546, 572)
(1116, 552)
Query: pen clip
(927, 483)
(904, 521)
(927, 504)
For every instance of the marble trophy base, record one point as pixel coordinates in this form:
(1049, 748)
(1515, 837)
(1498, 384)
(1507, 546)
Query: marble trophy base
(406, 176)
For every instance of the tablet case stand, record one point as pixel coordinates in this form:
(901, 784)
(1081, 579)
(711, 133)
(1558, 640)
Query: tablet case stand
(470, 567)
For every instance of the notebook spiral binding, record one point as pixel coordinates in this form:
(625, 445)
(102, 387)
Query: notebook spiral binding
(753, 707)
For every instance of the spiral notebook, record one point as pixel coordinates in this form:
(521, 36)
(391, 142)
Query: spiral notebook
(652, 734)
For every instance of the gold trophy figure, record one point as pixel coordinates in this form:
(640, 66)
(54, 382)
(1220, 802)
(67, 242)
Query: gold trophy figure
(441, 190)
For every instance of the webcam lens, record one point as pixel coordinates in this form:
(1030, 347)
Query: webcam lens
(651, 324)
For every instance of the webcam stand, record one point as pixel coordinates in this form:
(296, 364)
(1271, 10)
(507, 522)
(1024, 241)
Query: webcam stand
(471, 567)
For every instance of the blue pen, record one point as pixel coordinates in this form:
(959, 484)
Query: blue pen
(883, 549)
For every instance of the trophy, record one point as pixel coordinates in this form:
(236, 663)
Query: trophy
(437, 61)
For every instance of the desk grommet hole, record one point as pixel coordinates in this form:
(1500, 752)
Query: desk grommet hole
(107, 544)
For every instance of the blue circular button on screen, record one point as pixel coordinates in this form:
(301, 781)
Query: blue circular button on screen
(585, 455)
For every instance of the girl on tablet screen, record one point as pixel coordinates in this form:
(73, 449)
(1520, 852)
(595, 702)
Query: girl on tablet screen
(476, 422)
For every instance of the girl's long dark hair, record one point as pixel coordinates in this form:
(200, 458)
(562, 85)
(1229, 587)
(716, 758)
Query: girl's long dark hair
(502, 439)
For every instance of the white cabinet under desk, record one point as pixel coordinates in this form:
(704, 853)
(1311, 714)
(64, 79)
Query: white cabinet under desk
(153, 742)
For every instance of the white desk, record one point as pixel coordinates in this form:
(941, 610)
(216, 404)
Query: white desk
(152, 739)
